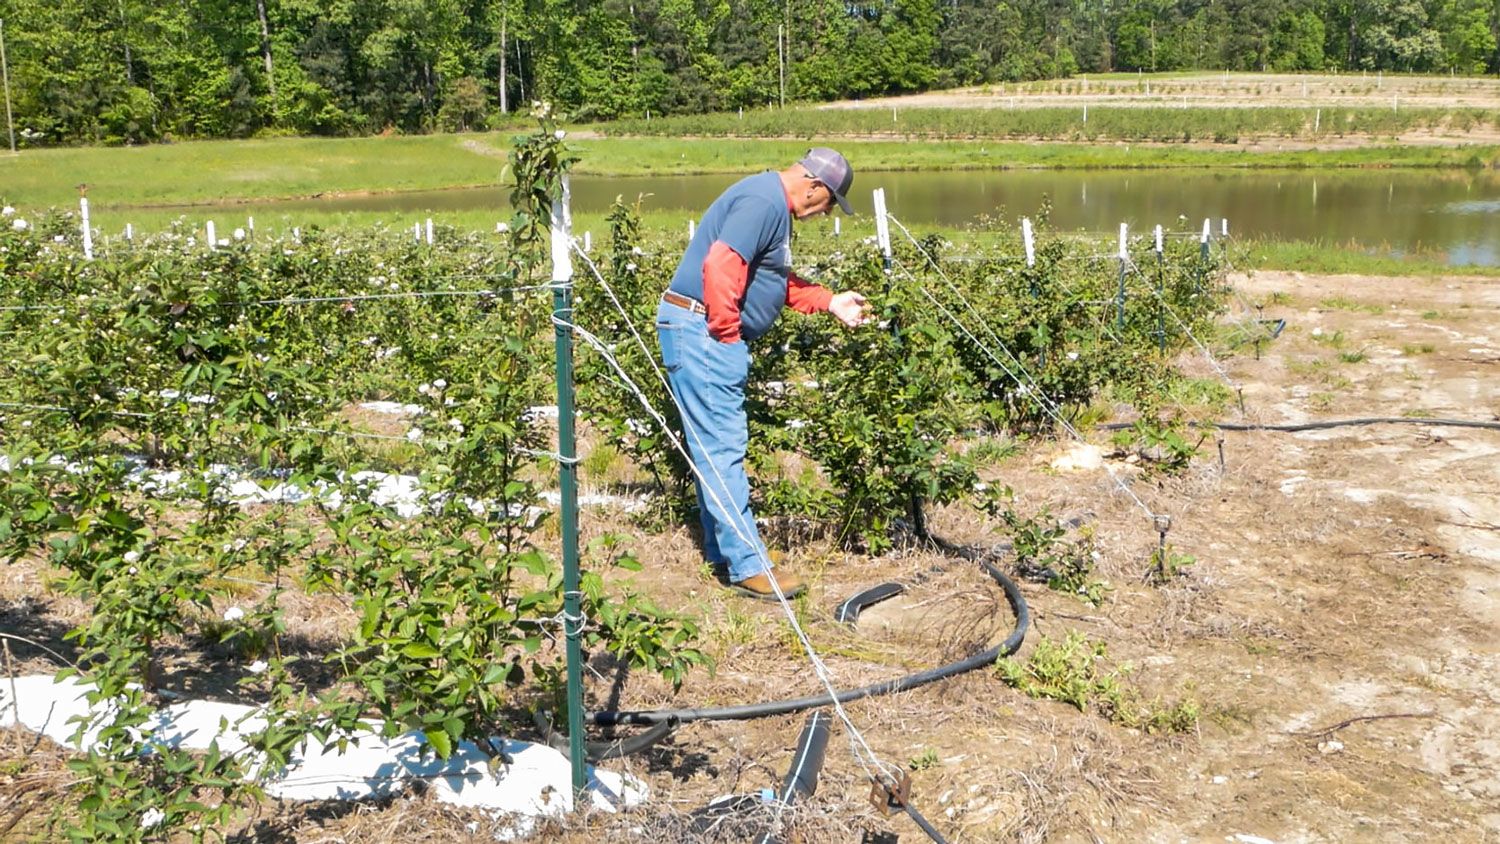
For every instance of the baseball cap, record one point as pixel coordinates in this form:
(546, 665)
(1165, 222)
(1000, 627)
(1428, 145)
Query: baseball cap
(833, 170)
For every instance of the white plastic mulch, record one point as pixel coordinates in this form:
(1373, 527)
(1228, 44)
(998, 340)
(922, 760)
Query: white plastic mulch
(536, 784)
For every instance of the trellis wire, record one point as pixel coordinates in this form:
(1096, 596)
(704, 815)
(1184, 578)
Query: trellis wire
(1020, 370)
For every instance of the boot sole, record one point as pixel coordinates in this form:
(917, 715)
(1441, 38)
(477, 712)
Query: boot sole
(769, 597)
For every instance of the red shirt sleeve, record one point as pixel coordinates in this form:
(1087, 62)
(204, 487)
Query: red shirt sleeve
(724, 277)
(804, 297)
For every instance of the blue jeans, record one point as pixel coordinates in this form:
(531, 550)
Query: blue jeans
(708, 380)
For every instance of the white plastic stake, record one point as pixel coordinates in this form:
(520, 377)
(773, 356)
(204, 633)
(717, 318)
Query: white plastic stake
(1207, 229)
(1317, 119)
(1085, 113)
(296, 234)
(1224, 227)
(429, 231)
(692, 229)
(88, 236)
(250, 225)
(588, 241)
(1124, 255)
(562, 234)
(837, 228)
(1030, 242)
(1158, 242)
(882, 226)
(893, 114)
(213, 237)
(416, 232)
(129, 232)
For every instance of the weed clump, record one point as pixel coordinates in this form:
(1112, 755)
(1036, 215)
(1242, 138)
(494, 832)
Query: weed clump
(1077, 672)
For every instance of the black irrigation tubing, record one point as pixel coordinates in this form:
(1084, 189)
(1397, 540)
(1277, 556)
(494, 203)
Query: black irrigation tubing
(607, 718)
(1330, 423)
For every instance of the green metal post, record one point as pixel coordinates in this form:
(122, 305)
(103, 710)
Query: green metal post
(562, 312)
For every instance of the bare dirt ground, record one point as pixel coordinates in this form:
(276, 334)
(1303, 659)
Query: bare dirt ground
(1340, 630)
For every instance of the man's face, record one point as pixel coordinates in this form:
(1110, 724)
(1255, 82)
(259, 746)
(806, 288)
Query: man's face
(812, 199)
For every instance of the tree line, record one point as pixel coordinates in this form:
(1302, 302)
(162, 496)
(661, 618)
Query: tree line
(133, 71)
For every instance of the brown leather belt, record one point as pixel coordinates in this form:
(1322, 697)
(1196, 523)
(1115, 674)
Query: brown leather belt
(672, 297)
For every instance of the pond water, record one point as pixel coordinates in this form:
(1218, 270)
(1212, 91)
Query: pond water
(1447, 214)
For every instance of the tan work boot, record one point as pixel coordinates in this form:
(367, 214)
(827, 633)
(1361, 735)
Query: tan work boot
(759, 586)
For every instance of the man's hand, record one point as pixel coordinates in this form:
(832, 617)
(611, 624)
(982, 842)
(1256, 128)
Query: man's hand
(850, 308)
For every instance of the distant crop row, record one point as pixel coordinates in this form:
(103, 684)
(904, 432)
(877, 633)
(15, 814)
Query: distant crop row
(1162, 124)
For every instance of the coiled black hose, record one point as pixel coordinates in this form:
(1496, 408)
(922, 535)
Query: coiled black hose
(608, 718)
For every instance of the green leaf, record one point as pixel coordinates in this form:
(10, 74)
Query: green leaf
(440, 741)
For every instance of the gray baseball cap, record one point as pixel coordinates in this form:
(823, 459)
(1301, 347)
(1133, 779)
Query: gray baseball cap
(833, 170)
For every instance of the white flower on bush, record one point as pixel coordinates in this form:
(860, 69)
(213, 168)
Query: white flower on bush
(456, 425)
(19, 225)
(440, 384)
(132, 556)
(233, 614)
(636, 250)
(239, 234)
(259, 666)
(559, 134)
(7, 211)
(414, 435)
(152, 817)
(424, 388)
(1072, 356)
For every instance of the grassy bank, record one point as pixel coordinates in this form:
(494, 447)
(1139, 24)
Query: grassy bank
(226, 171)
(1328, 259)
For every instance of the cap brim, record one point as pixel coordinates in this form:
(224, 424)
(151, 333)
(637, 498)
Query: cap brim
(843, 203)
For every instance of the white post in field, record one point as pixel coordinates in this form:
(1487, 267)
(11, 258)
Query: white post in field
(1158, 242)
(882, 226)
(588, 242)
(429, 231)
(213, 237)
(1028, 239)
(88, 235)
(837, 228)
(692, 229)
(129, 232)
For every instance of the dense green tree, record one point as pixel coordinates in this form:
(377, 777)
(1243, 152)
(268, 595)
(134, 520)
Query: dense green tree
(136, 71)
